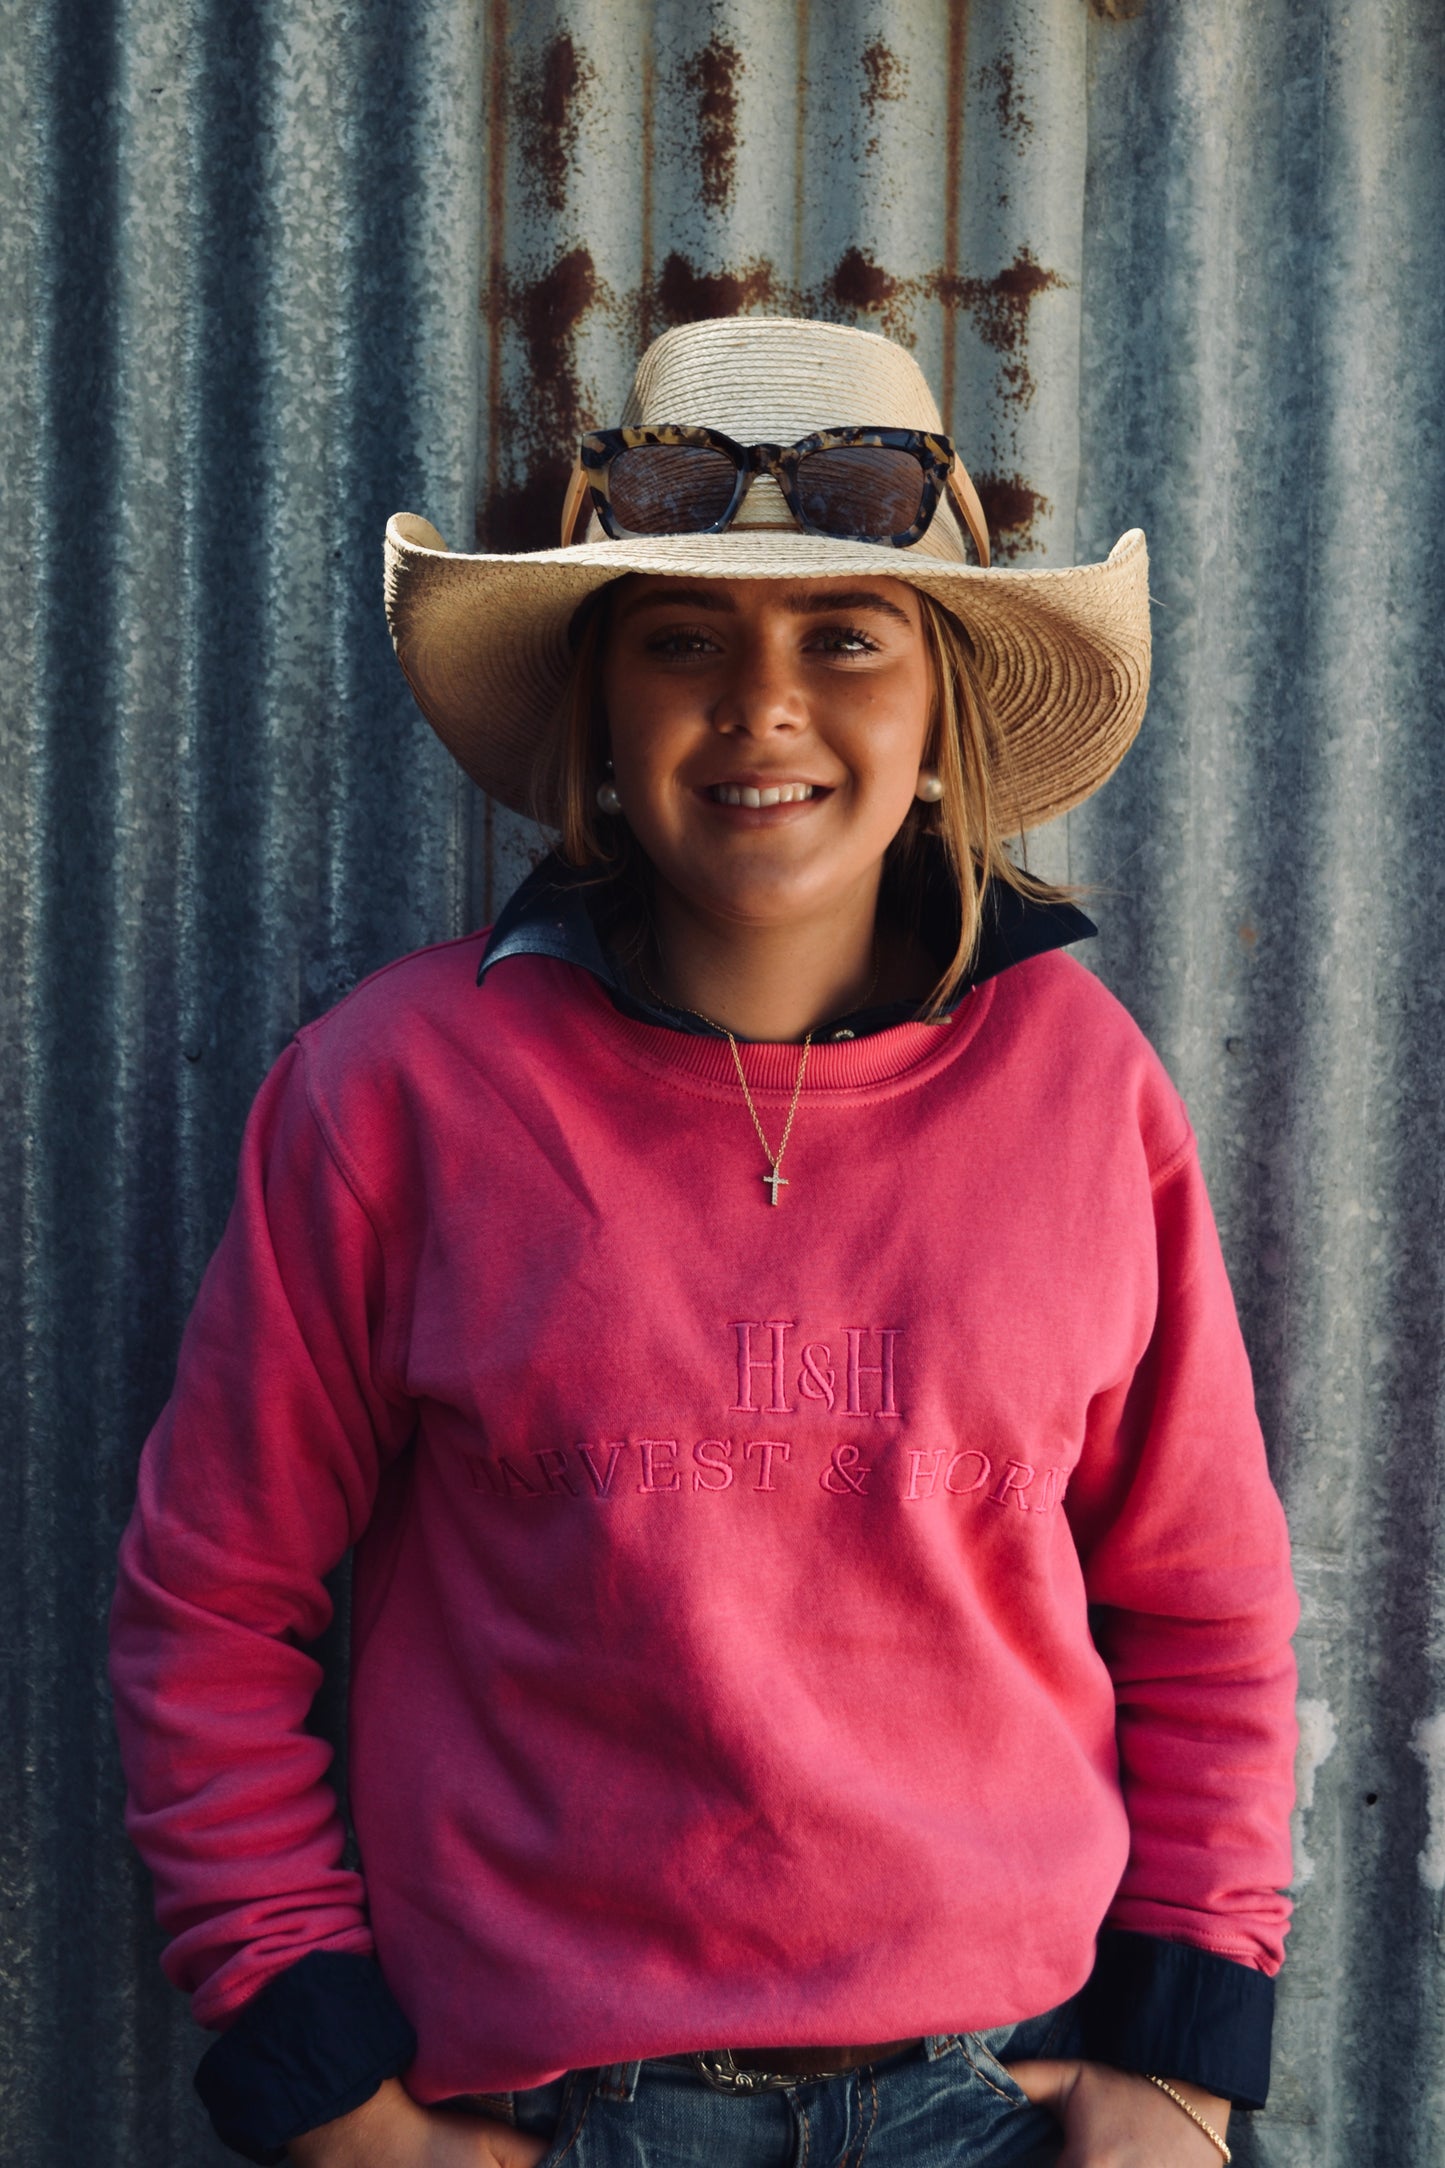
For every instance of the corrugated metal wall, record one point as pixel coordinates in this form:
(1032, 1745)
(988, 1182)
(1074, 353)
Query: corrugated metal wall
(272, 272)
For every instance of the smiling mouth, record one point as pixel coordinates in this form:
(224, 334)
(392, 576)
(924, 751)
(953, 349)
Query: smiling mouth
(749, 795)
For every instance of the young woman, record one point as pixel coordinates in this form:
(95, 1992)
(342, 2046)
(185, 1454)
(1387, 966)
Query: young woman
(821, 1617)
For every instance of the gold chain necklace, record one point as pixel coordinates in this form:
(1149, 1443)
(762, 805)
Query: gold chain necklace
(773, 1178)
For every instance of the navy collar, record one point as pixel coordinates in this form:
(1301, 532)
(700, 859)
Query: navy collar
(556, 912)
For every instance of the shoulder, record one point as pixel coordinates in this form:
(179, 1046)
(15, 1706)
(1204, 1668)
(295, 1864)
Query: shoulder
(394, 1029)
(422, 1037)
(413, 994)
(1057, 987)
(1087, 1057)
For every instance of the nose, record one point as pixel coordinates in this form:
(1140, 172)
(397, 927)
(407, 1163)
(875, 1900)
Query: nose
(764, 693)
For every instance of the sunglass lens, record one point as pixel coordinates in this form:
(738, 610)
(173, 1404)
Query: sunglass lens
(670, 488)
(861, 492)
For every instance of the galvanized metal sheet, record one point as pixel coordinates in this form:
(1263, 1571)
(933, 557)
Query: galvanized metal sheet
(270, 274)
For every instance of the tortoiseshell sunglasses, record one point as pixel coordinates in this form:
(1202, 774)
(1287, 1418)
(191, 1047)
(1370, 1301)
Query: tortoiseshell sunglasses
(853, 484)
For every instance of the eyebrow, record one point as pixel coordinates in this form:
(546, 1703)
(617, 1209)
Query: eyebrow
(804, 604)
(800, 603)
(677, 598)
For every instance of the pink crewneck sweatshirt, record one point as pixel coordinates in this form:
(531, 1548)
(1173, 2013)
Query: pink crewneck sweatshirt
(722, 1657)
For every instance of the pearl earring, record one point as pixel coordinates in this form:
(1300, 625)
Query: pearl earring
(608, 798)
(929, 787)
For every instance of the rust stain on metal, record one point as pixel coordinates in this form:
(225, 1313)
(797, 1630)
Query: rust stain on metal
(857, 282)
(712, 77)
(1014, 120)
(549, 100)
(522, 515)
(548, 310)
(1000, 305)
(885, 76)
(952, 182)
(685, 295)
(885, 79)
(859, 286)
(1000, 309)
(1010, 506)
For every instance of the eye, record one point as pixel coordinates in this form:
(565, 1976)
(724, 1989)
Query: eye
(681, 641)
(844, 640)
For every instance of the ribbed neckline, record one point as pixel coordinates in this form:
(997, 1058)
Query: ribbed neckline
(902, 1056)
(555, 913)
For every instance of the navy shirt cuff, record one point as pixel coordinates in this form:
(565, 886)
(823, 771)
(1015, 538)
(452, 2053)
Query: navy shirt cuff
(1180, 2012)
(315, 2043)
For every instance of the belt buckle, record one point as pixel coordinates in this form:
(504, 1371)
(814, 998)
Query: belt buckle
(721, 2072)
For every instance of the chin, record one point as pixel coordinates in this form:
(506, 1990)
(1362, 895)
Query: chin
(760, 902)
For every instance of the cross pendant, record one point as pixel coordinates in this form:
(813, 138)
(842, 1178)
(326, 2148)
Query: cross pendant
(775, 1182)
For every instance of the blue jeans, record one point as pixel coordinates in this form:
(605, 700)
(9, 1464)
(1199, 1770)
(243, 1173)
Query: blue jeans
(948, 2104)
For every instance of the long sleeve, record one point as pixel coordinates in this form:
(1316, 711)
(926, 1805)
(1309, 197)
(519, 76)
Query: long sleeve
(262, 1470)
(1185, 1557)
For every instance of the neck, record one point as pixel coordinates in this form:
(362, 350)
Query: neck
(764, 982)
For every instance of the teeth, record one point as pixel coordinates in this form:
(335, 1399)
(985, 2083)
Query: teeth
(775, 794)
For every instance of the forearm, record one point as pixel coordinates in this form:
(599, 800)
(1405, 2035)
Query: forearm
(391, 2131)
(365, 2134)
(1117, 2119)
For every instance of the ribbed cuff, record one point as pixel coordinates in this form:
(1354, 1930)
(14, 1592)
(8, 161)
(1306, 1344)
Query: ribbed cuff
(1180, 2012)
(315, 2043)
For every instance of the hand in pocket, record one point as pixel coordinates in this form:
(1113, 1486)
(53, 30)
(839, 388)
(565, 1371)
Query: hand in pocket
(1112, 2117)
(391, 2131)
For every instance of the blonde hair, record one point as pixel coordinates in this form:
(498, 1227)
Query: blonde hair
(972, 823)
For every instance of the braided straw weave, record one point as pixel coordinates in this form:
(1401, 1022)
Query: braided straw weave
(1063, 655)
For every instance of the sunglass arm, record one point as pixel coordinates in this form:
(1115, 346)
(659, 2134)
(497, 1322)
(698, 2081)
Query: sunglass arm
(577, 501)
(966, 497)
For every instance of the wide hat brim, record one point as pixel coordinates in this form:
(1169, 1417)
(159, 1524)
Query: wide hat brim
(1063, 655)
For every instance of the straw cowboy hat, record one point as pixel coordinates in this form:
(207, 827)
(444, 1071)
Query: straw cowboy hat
(484, 640)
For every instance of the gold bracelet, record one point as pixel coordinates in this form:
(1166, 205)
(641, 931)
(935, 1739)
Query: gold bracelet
(1193, 2114)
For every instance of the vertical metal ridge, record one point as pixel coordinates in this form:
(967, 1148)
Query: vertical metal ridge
(952, 175)
(647, 147)
(801, 21)
(69, 1037)
(496, 126)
